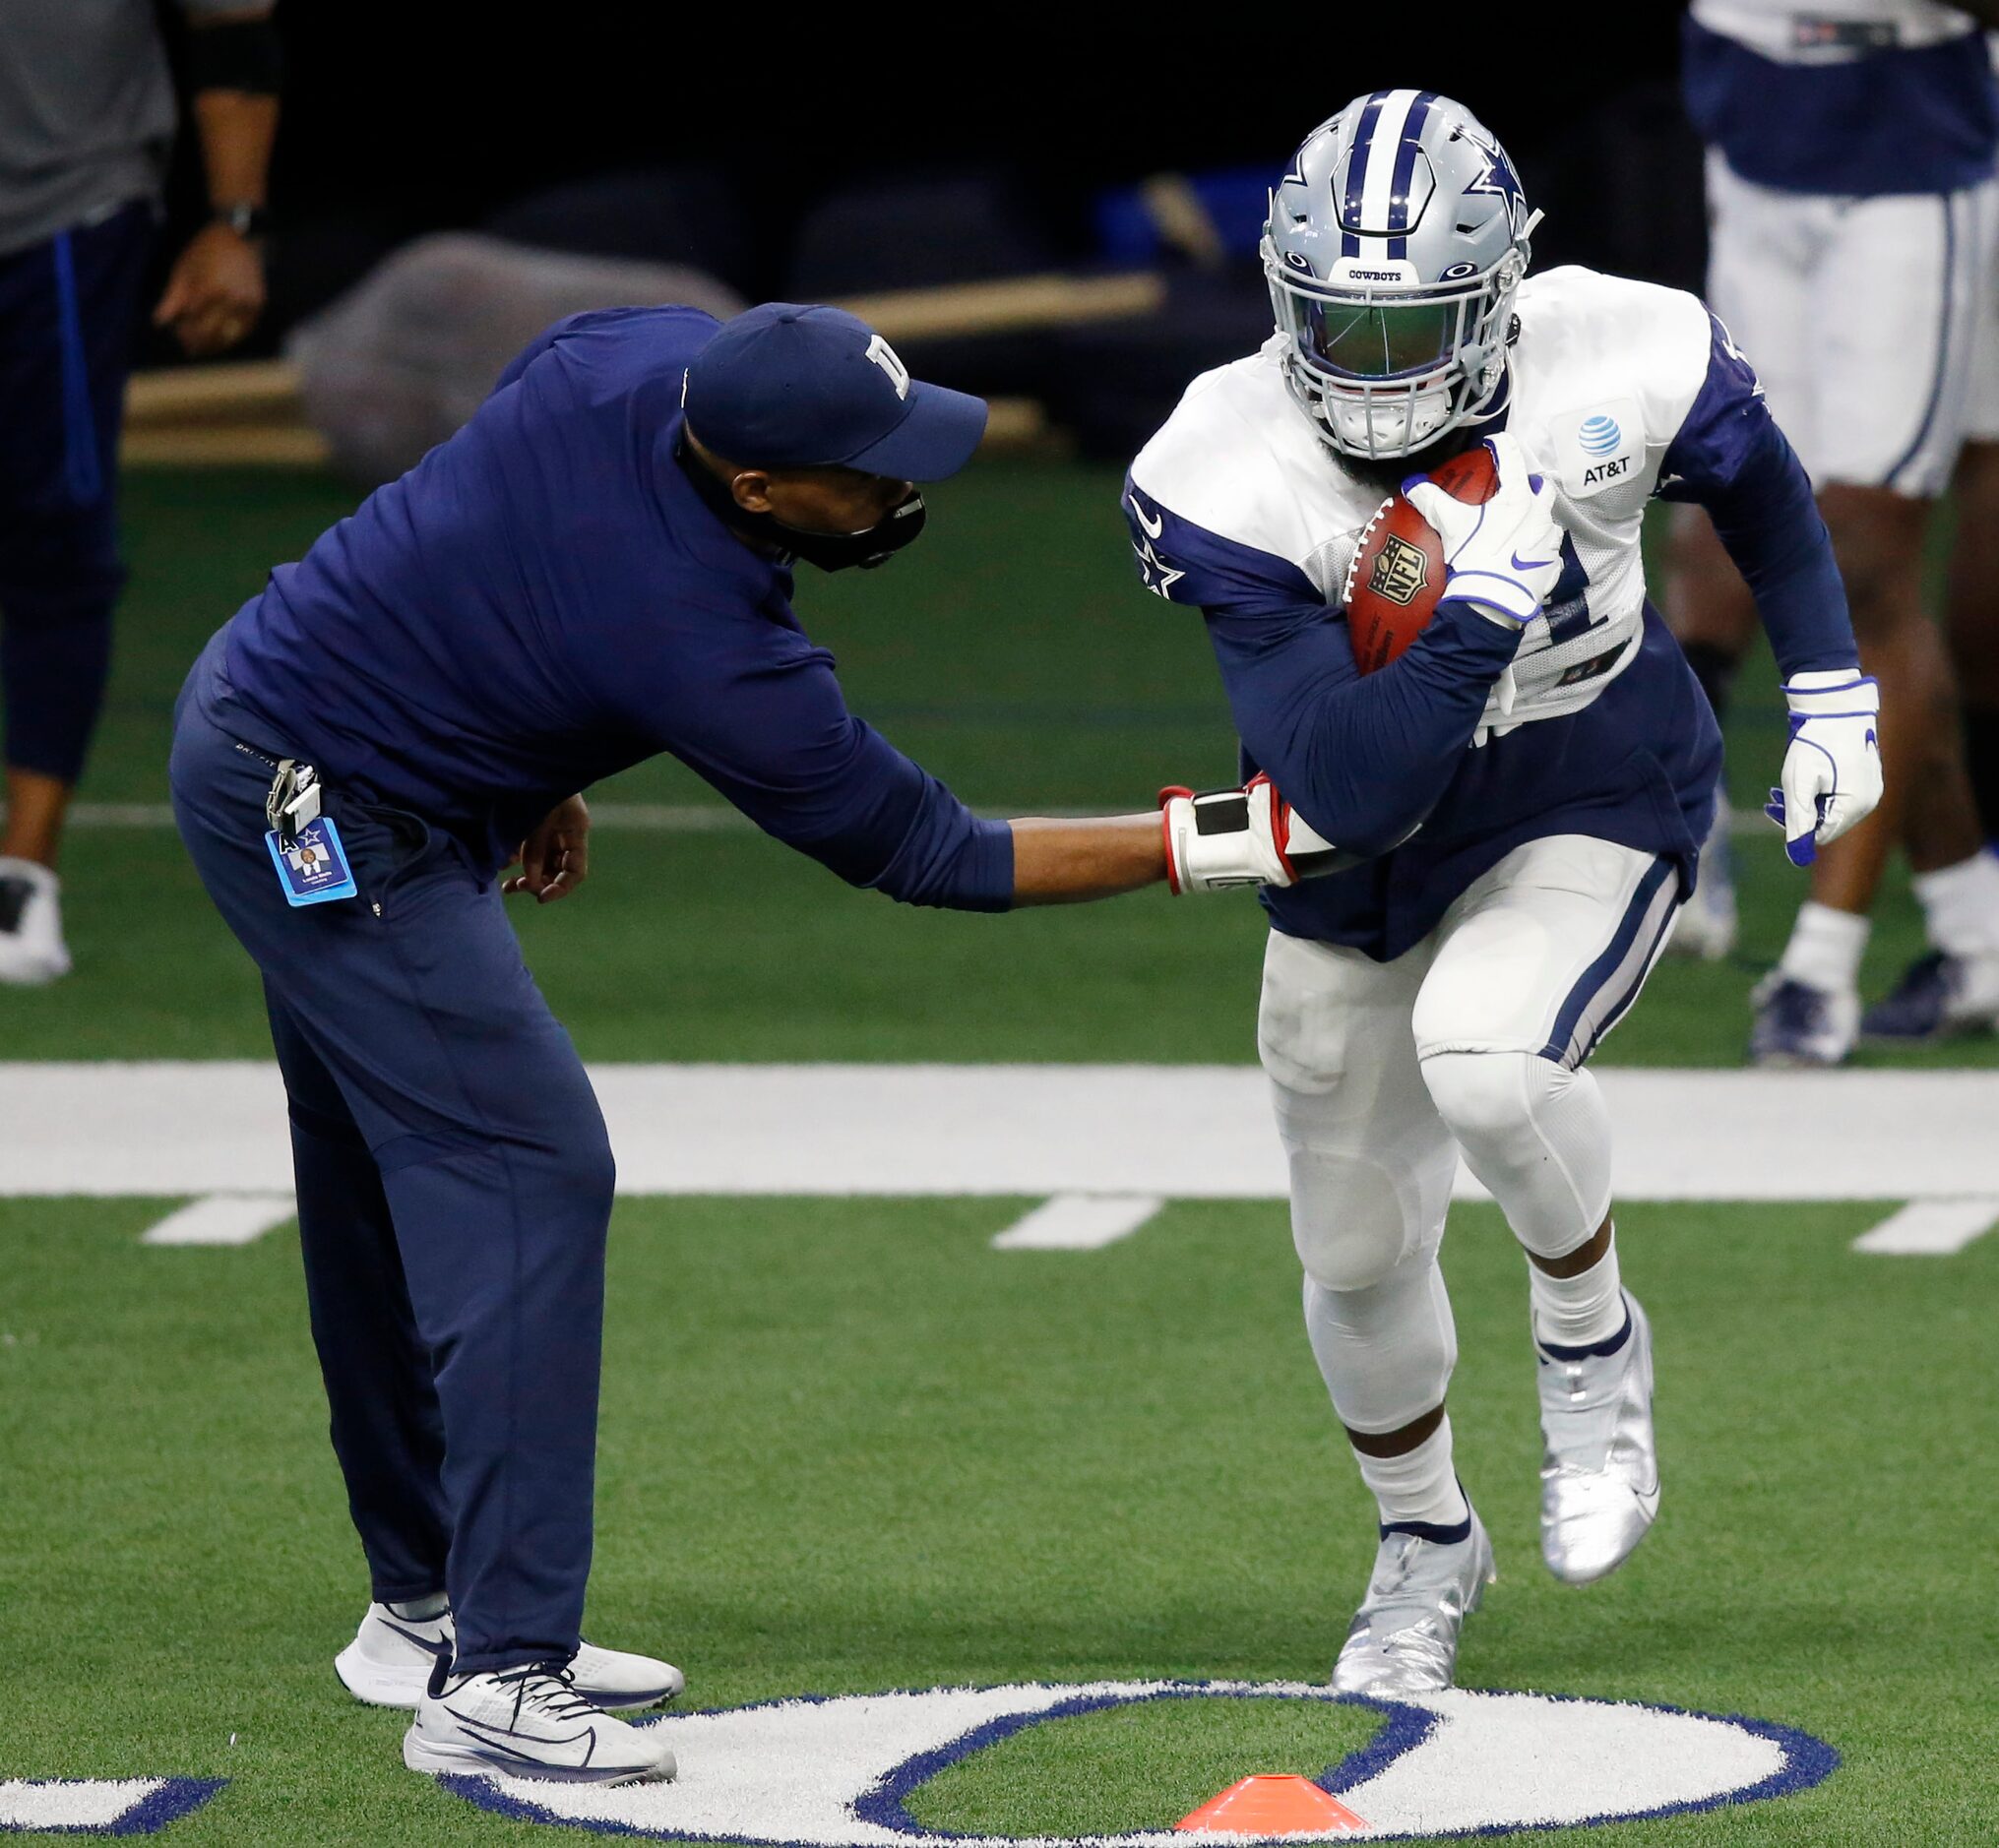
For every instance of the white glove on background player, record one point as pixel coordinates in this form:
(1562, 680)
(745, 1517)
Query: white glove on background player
(1503, 555)
(1249, 837)
(1832, 767)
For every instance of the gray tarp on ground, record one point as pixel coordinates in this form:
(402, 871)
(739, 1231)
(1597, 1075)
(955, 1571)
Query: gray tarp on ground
(405, 356)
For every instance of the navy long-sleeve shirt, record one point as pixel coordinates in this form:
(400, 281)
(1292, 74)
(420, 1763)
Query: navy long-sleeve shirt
(545, 599)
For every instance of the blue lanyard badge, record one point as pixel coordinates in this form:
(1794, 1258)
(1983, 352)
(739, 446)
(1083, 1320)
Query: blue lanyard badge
(313, 869)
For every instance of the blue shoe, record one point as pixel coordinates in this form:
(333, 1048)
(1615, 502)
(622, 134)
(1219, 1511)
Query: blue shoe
(1797, 1025)
(1939, 997)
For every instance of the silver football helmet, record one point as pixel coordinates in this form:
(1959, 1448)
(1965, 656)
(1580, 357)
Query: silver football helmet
(1395, 244)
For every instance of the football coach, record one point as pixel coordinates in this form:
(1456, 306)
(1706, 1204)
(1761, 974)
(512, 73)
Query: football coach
(595, 569)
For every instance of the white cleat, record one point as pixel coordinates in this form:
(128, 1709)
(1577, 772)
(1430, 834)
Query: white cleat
(31, 950)
(1707, 925)
(529, 1722)
(1600, 1468)
(389, 1662)
(1404, 1635)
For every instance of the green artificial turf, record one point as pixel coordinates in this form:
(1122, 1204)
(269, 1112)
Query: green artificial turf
(846, 1446)
(1013, 652)
(1125, 1769)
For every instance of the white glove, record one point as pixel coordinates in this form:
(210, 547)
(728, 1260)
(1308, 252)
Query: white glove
(1832, 767)
(1248, 836)
(1503, 555)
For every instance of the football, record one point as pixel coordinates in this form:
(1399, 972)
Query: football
(1397, 571)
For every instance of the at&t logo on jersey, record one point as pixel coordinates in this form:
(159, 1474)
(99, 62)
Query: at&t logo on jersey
(1599, 446)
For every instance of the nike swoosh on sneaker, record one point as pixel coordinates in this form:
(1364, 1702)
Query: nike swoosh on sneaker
(505, 1737)
(440, 1649)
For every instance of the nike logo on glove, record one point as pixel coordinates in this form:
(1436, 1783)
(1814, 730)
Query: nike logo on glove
(1531, 564)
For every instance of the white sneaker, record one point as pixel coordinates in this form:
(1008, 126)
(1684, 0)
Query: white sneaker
(389, 1662)
(1707, 926)
(31, 950)
(529, 1722)
(1600, 1464)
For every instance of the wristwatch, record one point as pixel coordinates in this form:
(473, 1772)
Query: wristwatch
(245, 220)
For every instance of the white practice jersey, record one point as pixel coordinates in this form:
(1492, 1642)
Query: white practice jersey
(1602, 380)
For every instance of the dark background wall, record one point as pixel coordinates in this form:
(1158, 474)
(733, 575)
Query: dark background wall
(406, 118)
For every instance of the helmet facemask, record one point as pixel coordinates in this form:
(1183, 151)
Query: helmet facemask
(1386, 370)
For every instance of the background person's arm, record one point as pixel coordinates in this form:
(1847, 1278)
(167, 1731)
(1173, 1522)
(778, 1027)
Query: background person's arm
(214, 292)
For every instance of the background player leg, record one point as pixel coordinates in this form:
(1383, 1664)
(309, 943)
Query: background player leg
(1809, 1013)
(1896, 335)
(1971, 621)
(68, 309)
(1371, 1168)
(1534, 963)
(1953, 988)
(1714, 616)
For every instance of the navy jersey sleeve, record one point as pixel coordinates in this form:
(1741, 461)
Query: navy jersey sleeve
(1731, 459)
(756, 710)
(1363, 759)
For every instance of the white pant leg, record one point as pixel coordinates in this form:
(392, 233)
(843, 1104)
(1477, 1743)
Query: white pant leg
(1533, 964)
(1863, 318)
(1371, 1161)
(1764, 250)
(1371, 1167)
(1981, 409)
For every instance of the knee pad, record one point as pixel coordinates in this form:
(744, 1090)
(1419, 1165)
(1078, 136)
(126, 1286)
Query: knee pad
(1481, 1095)
(1353, 1220)
(1386, 1352)
(1535, 1134)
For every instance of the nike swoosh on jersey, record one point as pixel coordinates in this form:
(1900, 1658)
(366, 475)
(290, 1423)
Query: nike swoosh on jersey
(1153, 527)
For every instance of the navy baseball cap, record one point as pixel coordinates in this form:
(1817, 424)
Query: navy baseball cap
(785, 385)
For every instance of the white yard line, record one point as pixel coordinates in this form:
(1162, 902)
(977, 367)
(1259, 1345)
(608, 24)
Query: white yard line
(1167, 1131)
(1931, 1228)
(222, 1219)
(1078, 1222)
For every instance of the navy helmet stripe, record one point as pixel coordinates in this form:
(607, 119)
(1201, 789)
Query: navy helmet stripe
(1356, 160)
(1405, 161)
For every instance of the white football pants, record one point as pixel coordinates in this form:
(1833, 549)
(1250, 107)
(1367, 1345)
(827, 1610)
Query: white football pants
(1872, 322)
(1473, 1041)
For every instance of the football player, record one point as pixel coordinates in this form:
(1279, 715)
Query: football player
(1854, 216)
(1530, 783)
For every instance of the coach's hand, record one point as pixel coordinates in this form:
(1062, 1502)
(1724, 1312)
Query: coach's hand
(1831, 765)
(555, 857)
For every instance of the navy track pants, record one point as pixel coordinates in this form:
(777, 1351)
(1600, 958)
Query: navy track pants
(69, 315)
(453, 1196)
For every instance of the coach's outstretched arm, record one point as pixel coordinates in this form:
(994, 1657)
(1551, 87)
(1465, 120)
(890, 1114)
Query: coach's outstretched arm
(779, 742)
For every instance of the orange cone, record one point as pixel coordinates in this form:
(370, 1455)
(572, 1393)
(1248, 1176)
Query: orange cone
(1274, 1806)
